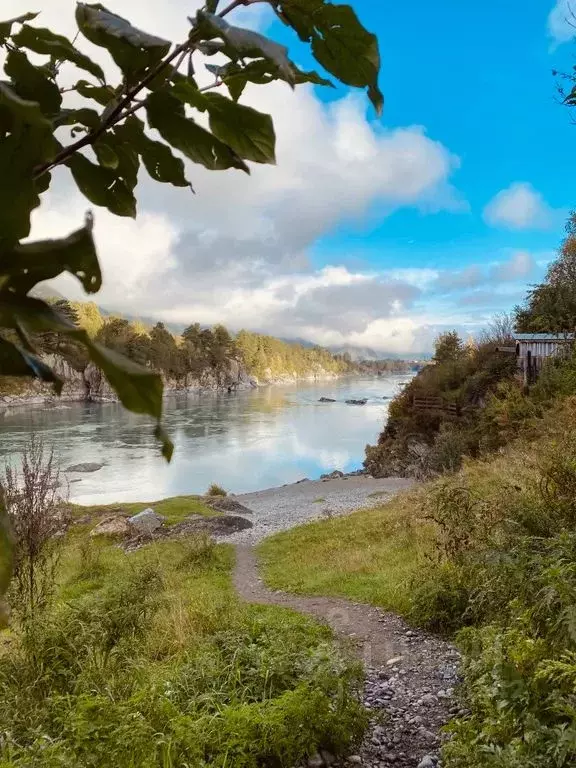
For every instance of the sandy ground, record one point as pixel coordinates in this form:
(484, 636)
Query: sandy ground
(277, 509)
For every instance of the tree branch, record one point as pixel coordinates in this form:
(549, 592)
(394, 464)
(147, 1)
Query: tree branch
(115, 115)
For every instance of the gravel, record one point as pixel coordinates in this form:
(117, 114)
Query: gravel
(278, 509)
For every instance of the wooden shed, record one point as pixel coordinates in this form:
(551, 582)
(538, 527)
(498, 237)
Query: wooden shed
(532, 349)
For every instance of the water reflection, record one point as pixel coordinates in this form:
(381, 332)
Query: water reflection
(242, 441)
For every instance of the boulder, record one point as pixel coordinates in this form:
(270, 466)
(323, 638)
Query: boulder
(87, 466)
(146, 522)
(326, 400)
(112, 526)
(333, 475)
(357, 402)
(226, 504)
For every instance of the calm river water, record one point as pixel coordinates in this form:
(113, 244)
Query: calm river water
(243, 441)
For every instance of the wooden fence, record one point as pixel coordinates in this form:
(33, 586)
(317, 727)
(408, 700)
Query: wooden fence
(435, 404)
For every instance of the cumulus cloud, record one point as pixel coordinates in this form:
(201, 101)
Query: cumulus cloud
(519, 206)
(562, 21)
(239, 250)
(519, 265)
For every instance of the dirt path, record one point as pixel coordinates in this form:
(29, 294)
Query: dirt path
(410, 674)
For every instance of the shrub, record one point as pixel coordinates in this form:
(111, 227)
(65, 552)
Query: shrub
(36, 513)
(216, 490)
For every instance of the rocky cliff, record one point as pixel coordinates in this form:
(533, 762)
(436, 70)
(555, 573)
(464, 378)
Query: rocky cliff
(89, 384)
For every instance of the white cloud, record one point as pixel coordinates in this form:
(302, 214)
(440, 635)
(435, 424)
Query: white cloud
(238, 251)
(519, 206)
(519, 265)
(562, 21)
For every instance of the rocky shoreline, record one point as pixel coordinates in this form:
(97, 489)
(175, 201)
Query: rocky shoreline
(90, 386)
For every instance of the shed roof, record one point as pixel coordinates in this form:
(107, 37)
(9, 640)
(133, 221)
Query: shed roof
(543, 336)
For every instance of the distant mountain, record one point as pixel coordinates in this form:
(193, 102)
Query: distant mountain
(46, 292)
(357, 353)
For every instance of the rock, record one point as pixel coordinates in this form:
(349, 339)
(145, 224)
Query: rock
(111, 526)
(146, 521)
(357, 402)
(85, 467)
(226, 504)
(394, 661)
(315, 761)
(354, 760)
(326, 400)
(333, 475)
(328, 757)
(427, 700)
(427, 761)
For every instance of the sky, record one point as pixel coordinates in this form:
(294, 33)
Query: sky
(377, 232)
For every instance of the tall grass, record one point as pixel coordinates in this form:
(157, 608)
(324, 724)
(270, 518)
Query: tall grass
(149, 660)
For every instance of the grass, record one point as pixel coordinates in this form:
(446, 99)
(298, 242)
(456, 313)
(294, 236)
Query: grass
(149, 659)
(369, 556)
(174, 509)
(321, 500)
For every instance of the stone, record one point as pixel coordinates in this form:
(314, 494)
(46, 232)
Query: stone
(146, 521)
(315, 761)
(327, 756)
(87, 466)
(394, 661)
(111, 526)
(363, 401)
(427, 700)
(326, 400)
(354, 760)
(333, 475)
(427, 762)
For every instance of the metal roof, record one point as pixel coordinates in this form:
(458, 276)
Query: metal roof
(543, 336)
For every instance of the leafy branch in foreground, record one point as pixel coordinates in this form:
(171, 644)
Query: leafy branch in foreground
(108, 126)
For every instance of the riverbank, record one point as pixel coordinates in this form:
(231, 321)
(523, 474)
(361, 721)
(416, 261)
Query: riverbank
(89, 386)
(279, 509)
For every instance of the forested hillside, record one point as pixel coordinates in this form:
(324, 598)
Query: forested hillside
(198, 358)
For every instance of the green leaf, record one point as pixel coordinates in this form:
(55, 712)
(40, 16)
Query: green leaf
(29, 143)
(347, 50)
(300, 15)
(301, 77)
(106, 155)
(127, 377)
(22, 110)
(44, 41)
(30, 263)
(166, 114)
(212, 5)
(83, 116)
(6, 26)
(103, 94)
(138, 388)
(132, 50)
(249, 132)
(157, 157)
(32, 82)
(15, 361)
(242, 43)
(186, 90)
(103, 186)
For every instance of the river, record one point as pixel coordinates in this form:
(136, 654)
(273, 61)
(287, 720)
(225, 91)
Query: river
(243, 441)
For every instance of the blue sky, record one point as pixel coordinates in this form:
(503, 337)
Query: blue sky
(480, 81)
(376, 232)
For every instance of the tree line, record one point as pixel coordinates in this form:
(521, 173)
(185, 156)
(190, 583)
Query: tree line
(193, 353)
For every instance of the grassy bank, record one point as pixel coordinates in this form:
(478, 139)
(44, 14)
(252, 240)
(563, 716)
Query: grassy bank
(370, 556)
(174, 509)
(149, 659)
(486, 555)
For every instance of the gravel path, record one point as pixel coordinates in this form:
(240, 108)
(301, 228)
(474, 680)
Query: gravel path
(277, 509)
(409, 674)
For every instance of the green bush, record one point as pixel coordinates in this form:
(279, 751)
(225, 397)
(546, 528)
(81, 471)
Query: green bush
(216, 490)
